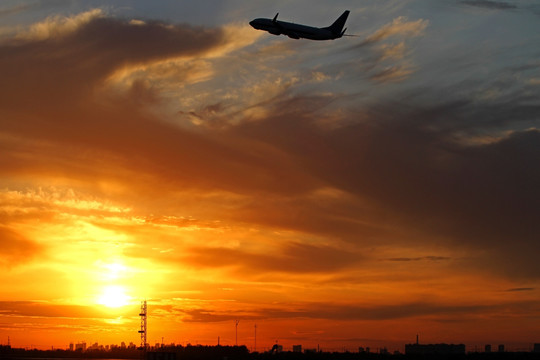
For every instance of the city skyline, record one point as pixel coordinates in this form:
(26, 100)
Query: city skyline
(343, 193)
(410, 348)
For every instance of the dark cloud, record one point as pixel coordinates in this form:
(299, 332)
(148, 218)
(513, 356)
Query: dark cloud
(520, 289)
(49, 96)
(15, 249)
(205, 316)
(44, 73)
(15, 9)
(406, 163)
(336, 312)
(500, 5)
(292, 258)
(423, 258)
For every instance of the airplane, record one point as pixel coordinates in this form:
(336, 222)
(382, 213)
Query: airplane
(297, 31)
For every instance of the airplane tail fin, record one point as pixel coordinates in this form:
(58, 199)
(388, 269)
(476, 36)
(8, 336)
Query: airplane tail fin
(337, 27)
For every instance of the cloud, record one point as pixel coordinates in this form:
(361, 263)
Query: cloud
(15, 9)
(58, 26)
(44, 309)
(520, 289)
(399, 26)
(386, 53)
(399, 170)
(391, 74)
(15, 249)
(346, 312)
(397, 51)
(91, 47)
(415, 171)
(289, 258)
(60, 200)
(428, 258)
(499, 5)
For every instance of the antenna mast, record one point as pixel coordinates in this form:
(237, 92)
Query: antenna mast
(142, 331)
(237, 321)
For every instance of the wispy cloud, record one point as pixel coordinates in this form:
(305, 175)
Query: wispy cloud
(423, 258)
(499, 5)
(400, 26)
(461, 313)
(520, 289)
(15, 9)
(58, 26)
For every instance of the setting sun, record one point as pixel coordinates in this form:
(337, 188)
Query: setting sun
(114, 296)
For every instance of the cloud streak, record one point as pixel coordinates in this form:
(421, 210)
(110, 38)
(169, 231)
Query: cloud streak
(329, 311)
(498, 5)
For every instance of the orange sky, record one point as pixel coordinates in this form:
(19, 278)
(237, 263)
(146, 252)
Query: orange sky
(183, 165)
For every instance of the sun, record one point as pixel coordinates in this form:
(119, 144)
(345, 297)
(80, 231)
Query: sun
(114, 296)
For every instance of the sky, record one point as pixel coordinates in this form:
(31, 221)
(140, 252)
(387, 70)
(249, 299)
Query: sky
(345, 193)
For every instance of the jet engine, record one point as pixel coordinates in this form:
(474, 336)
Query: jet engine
(293, 35)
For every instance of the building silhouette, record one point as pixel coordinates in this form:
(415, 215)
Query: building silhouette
(435, 349)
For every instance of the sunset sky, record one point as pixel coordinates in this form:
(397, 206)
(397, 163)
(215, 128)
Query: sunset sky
(343, 193)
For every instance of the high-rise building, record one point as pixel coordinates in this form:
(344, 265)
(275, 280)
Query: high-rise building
(501, 348)
(297, 348)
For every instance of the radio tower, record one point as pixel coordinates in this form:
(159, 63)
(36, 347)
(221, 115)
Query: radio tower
(143, 315)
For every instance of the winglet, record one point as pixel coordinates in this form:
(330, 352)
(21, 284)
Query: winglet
(275, 18)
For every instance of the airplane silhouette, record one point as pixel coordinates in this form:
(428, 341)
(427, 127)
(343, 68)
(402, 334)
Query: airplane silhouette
(297, 31)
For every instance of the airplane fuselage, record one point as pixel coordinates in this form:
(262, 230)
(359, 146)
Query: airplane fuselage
(298, 31)
(292, 30)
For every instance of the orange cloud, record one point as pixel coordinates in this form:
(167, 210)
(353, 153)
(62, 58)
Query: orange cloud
(59, 26)
(16, 249)
(399, 26)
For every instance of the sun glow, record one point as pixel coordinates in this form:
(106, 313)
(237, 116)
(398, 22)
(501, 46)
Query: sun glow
(114, 296)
